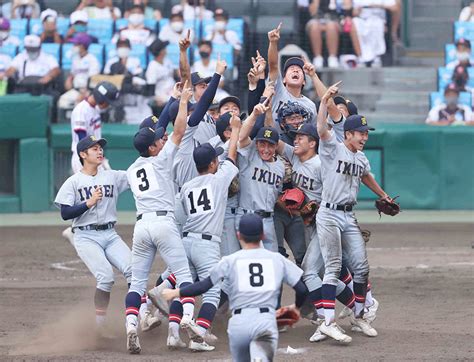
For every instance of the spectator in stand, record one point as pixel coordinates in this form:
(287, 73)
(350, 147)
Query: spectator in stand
(33, 66)
(159, 74)
(460, 79)
(50, 33)
(463, 54)
(84, 66)
(193, 9)
(78, 20)
(174, 31)
(5, 37)
(370, 21)
(136, 31)
(450, 112)
(123, 63)
(396, 16)
(21, 9)
(100, 9)
(205, 66)
(150, 13)
(325, 18)
(220, 34)
(467, 13)
(5, 61)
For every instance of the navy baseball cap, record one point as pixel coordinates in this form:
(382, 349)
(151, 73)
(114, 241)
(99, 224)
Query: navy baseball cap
(105, 92)
(357, 123)
(145, 137)
(251, 227)
(88, 142)
(204, 154)
(223, 123)
(293, 61)
(214, 105)
(197, 78)
(351, 107)
(229, 99)
(307, 129)
(149, 122)
(268, 134)
(157, 46)
(339, 100)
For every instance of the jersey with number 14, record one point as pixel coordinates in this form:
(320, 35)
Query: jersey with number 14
(204, 199)
(151, 181)
(254, 277)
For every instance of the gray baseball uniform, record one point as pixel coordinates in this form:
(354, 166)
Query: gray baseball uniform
(342, 171)
(204, 201)
(152, 185)
(282, 96)
(255, 277)
(260, 182)
(98, 249)
(206, 130)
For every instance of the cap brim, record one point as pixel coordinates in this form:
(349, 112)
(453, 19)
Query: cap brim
(363, 129)
(269, 140)
(293, 131)
(206, 80)
(159, 133)
(219, 151)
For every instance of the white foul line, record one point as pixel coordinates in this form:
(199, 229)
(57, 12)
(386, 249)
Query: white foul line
(62, 265)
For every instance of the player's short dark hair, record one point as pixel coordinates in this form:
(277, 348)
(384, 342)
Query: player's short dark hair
(250, 238)
(203, 169)
(350, 131)
(205, 42)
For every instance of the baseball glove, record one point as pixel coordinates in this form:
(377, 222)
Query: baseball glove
(308, 211)
(388, 207)
(292, 198)
(286, 316)
(234, 187)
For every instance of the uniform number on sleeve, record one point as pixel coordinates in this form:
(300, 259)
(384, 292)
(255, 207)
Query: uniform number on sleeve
(199, 200)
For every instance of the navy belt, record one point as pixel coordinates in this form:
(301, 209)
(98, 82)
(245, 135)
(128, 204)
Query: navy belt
(344, 208)
(233, 210)
(262, 310)
(158, 213)
(204, 236)
(95, 227)
(261, 213)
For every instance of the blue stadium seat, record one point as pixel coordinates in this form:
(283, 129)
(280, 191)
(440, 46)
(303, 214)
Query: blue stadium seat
(444, 78)
(9, 49)
(436, 98)
(464, 30)
(172, 53)
(235, 24)
(138, 50)
(94, 49)
(18, 27)
(226, 51)
(36, 27)
(102, 29)
(123, 23)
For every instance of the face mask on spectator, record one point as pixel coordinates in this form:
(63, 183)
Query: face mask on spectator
(80, 28)
(204, 55)
(3, 35)
(33, 53)
(220, 25)
(75, 51)
(136, 19)
(451, 101)
(123, 52)
(177, 26)
(462, 56)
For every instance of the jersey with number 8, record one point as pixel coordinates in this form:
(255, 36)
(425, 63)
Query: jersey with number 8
(255, 276)
(151, 181)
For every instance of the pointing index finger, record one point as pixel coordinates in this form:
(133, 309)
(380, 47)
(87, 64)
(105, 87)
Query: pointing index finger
(279, 26)
(189, 34)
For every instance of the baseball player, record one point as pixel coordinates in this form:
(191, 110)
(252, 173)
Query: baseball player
(255, 276)
(261, 174)
(85, 121)
(152, 185)
(288, 87)
(89, 199)
(344, 166)
(204, 200)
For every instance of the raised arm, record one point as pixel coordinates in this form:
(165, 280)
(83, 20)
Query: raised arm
(236, 125)
(322, 122)
(180, 122)
(372, 184)
(273, 66)
(319, 86)
(184, 68)
(164, 118)
(244, 137)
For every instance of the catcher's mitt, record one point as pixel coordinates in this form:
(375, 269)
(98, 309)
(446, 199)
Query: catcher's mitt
(308, 212)
(287, 316)
(388, 207)
(292, 198)
(234, 187)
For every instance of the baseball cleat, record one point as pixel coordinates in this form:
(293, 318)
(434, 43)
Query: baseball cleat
(364, 326)
(174, 342)
(333, 331)
(195, 333)
(200, 346)
(133, 344)
(371, 312)
(158, 300)
(149, 322)
(210, 338)
(317, 335)
(345, 312)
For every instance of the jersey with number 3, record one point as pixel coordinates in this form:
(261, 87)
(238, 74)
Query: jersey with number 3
(254, 277)
(204, 199)
(151, 181)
